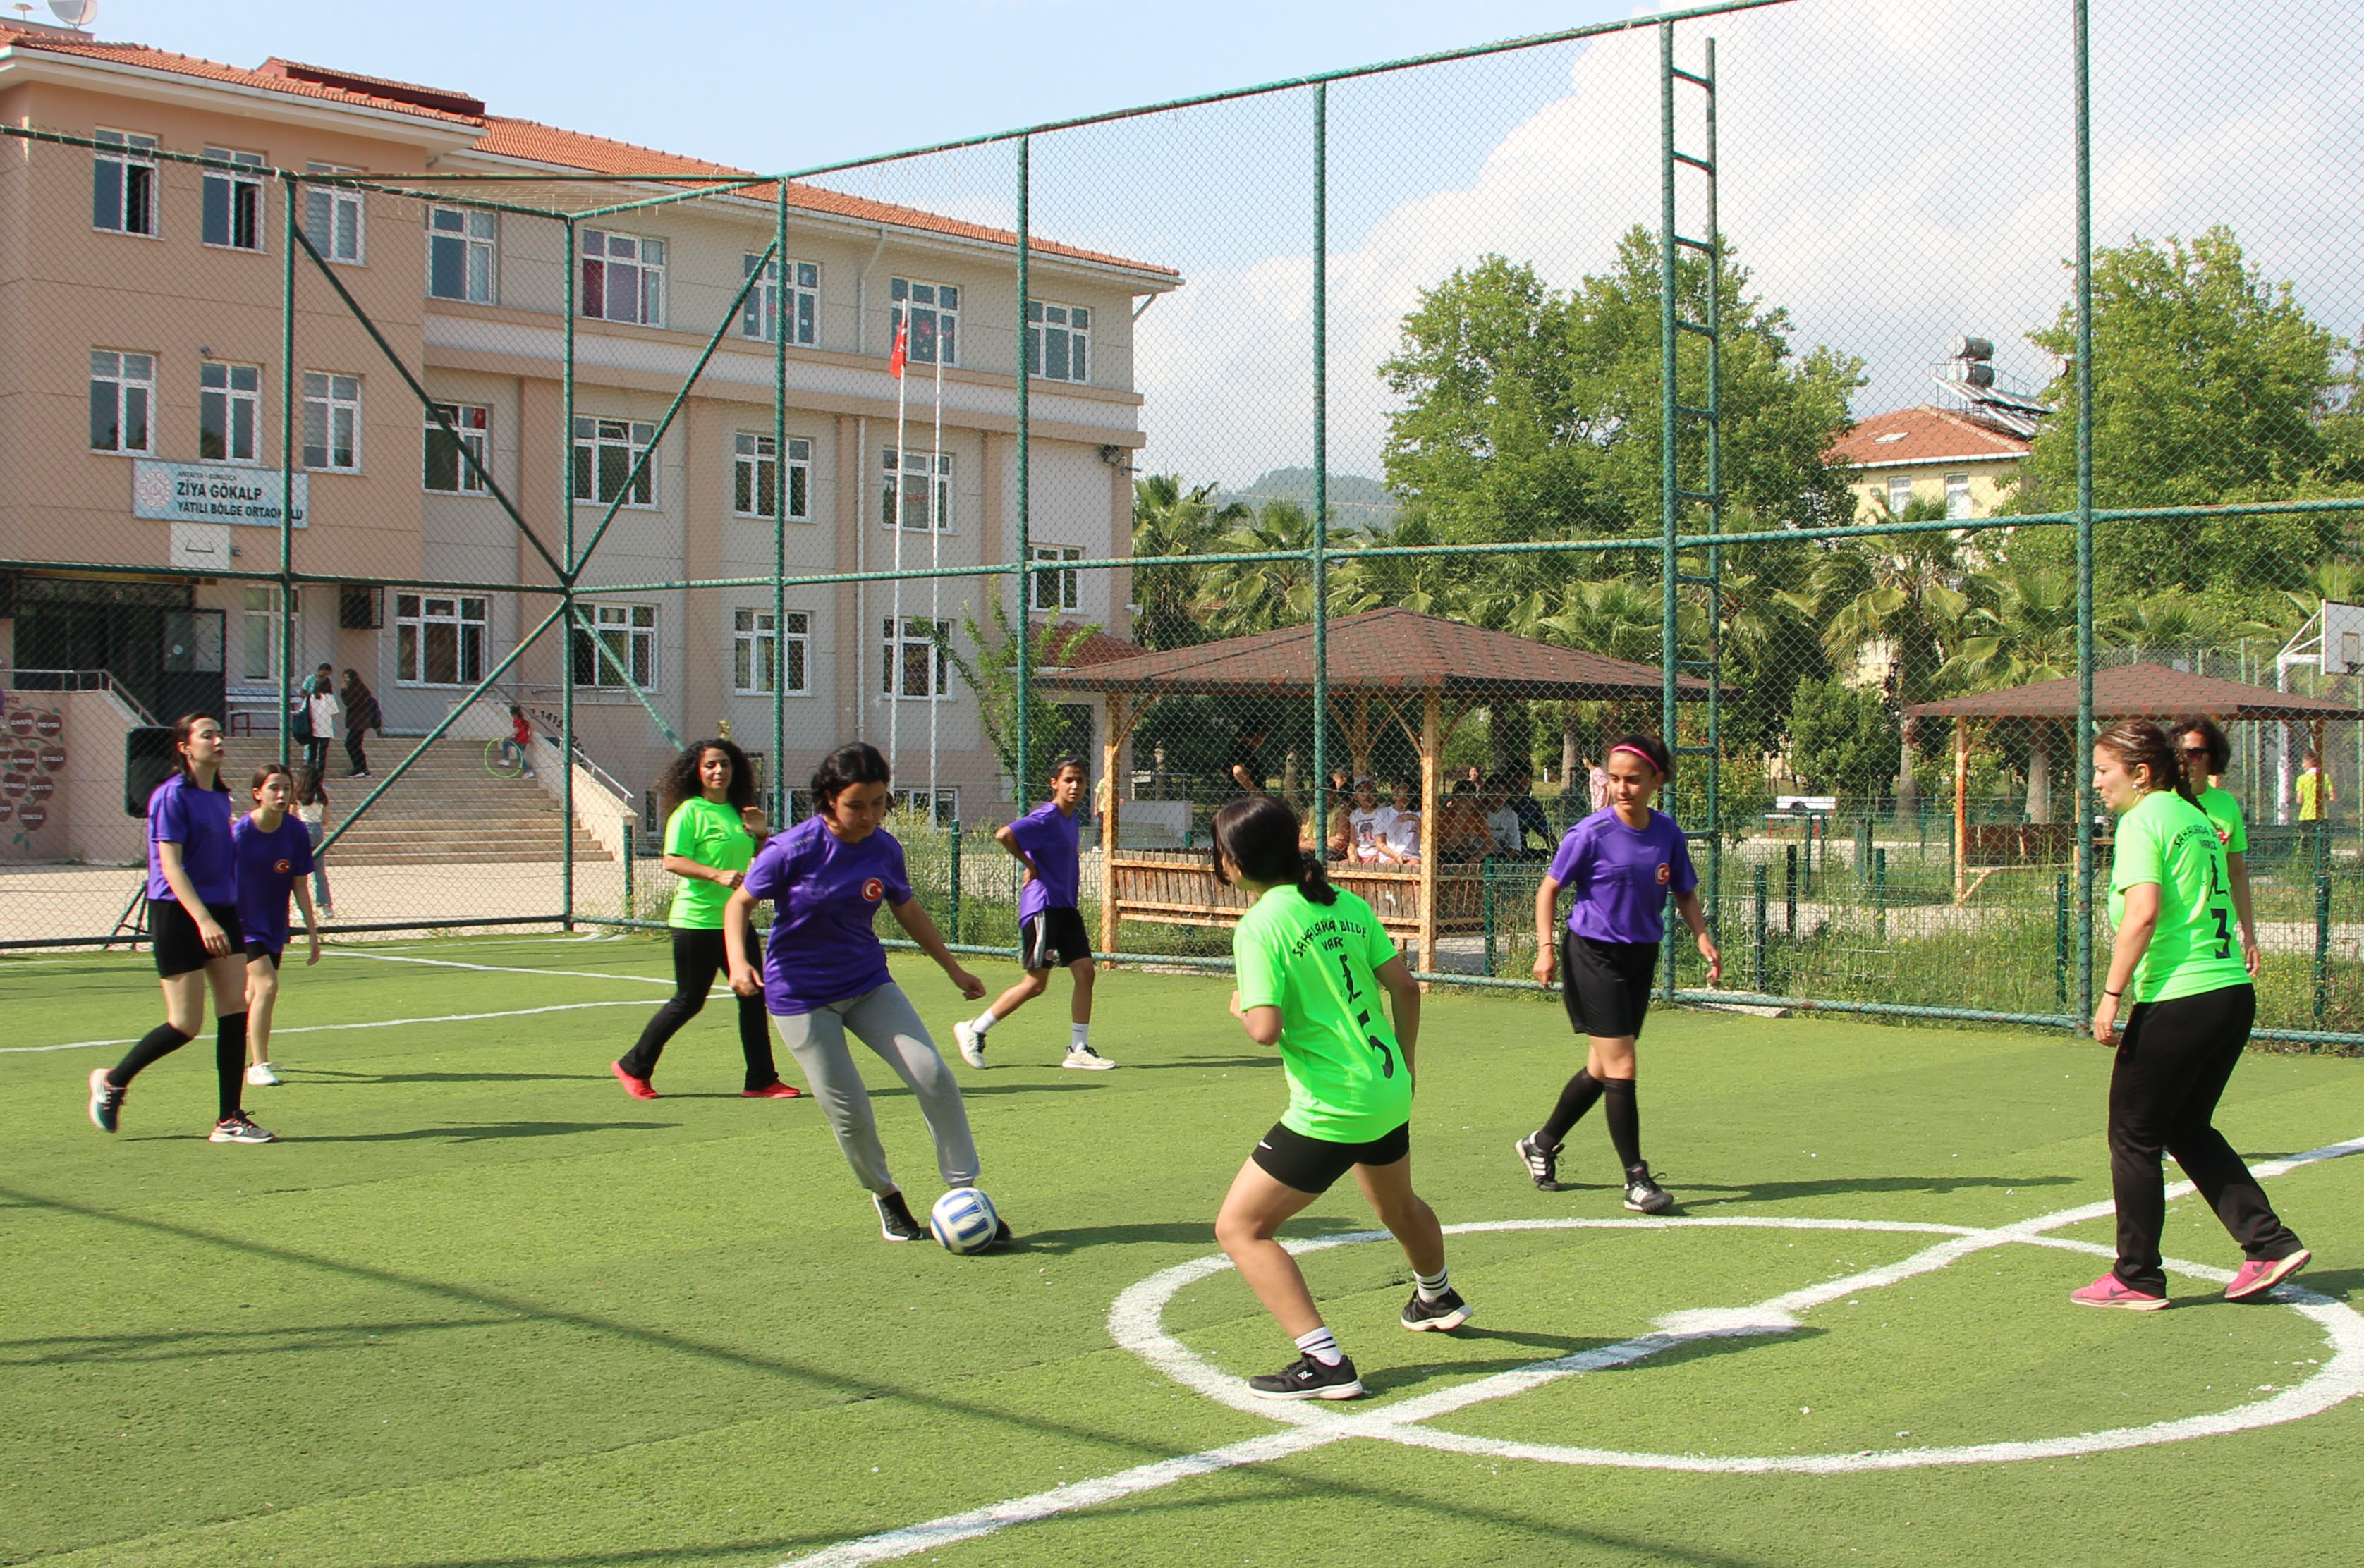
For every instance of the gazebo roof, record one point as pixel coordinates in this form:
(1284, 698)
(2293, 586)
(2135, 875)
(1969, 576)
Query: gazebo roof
(1388, 650)
(2137, 691)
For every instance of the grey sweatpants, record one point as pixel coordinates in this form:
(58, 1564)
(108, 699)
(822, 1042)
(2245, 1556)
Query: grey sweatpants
(884, 1020)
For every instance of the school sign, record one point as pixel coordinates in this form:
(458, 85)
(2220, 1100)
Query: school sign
(214, 492)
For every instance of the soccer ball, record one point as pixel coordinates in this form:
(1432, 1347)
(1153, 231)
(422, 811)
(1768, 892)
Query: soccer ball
(963, 1220)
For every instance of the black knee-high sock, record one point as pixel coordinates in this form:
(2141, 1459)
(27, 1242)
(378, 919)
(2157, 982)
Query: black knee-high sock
(230, 1061)
(153, 1046)
(1624, 1120)
(1574, 1101)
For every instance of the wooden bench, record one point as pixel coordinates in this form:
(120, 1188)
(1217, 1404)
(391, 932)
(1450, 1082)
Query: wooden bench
(1179, 888)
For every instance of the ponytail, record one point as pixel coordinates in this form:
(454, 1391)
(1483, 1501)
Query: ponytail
(1313, 879)
(1258, 834)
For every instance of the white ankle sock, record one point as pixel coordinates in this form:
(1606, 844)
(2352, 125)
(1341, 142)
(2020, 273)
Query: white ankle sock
(982, 1021)
(1079, 1036)
(1318, 1343)
(1433, 1287)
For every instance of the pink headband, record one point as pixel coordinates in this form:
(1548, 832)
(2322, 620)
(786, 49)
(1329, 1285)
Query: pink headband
(1639, 752)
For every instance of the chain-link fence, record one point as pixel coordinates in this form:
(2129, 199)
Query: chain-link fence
(1872, 400)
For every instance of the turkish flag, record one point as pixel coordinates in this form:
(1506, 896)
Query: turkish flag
(902, 344)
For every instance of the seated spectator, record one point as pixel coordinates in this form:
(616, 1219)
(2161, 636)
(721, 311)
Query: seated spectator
(1461, 830)
(1399, 844)
(1367, 822)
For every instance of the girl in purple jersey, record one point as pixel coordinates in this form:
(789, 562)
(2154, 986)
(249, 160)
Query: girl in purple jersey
(1621, 863)
(193, 926)
(273, 855)
(1049, 927)
(825, 974)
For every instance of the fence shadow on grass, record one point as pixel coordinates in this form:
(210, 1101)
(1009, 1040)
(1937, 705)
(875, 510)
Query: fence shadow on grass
(304, 1074)
(484, 1132)
(1783, 1191)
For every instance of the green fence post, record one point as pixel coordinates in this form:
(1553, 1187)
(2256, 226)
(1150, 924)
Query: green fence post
(951, 894)
(1863, 852)
(2322, 947)
(1759, 880)
(2061, 938)
(1879, 890)
(1789, 888)
(631, 909)
(1485, 875)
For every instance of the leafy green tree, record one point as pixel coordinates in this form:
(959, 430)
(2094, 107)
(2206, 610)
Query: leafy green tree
(1168, 519)
(2210, 385)
(1237, 598)
(991, 671)
(1843, 739)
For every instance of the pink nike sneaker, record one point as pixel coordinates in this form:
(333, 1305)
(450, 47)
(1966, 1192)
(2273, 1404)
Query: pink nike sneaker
(639, 1088)
(2111, 1291)
(2261, 1276)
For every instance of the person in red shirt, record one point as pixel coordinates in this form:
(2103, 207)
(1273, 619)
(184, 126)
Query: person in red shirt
(520, 739)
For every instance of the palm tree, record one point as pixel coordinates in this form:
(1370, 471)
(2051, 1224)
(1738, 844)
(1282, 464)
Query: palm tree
(1170, 521)
(2021, 627)
(1237, 598)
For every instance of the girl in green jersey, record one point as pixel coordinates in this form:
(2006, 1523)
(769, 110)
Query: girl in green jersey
(713, 828)
(2192, 1006)
(1312, 962)
(2206, 753)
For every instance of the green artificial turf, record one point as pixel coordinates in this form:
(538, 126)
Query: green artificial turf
(479, 1309)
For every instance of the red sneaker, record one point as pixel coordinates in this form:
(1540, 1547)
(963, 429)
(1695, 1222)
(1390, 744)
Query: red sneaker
(774, 1090)
(2261, 1276)
(639, 1088)
(2111, 1291)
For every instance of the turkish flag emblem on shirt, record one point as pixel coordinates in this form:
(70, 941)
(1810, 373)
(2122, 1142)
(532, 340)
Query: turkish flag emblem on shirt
(1666, 874)
(874, 890)
(281, 867)
(902, 346)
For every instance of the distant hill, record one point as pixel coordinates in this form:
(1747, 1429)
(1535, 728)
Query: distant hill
(1366, 503)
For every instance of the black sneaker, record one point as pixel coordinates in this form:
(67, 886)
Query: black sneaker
(895, 1221)
(1306, 1378)
(1002, 1235)
(1645, 1195)
(105, 1101)
(238, 1129)
(1541, 1162)
(1447, 1312)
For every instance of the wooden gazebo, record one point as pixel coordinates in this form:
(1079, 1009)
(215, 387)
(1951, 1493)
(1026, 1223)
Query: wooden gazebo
(2126, 691)
(1388, 666)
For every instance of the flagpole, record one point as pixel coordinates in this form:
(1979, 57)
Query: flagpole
(935, 585)
(902, 465)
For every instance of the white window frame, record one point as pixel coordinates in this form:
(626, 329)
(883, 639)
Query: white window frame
(1066, 331)
(915, 801)
(133, 209)
(332, 422)
(754, 463)
(595, 437)
(258, 631)
(754, 645)
(1900, 494)
(471, 424)
(420, 613)
(915, 636)
(935, 319)
(604, 255)
(1957, 495)
(630, 632)
(759, 316)
(1067, 588)
(476, 235)
(237, 189)
(933, 501)
(217, 387)
(336, 220)
(130, 385)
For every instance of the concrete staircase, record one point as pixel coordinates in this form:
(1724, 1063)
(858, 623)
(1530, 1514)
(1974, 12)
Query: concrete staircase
(446, 809)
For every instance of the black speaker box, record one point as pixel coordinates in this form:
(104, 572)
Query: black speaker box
(147, 762)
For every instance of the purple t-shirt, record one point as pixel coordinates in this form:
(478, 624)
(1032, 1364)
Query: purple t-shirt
(198, 820)
(826, 893)
(1050, 838)
(1621, 876)
(269, 867)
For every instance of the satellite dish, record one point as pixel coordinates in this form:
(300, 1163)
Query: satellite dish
(74, 12)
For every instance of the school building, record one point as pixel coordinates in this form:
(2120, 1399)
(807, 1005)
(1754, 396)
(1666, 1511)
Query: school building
(141, 366)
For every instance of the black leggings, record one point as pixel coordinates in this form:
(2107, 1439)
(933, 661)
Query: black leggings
(2173, 1061)
(698, 957)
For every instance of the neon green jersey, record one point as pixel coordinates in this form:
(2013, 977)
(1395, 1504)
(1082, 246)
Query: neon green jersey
(2218, 805)
(711, 834)
(1316, 963)
(2168, 840)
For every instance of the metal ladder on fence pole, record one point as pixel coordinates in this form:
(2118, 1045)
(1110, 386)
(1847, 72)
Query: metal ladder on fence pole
(1674, 414)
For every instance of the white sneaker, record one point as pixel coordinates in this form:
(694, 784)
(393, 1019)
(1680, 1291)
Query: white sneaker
(261, 1075)
(971, 1044)
(1087, 1059)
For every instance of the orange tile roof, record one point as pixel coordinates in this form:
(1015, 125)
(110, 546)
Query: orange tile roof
(601, 155)
(141, 55)
(1923, 435)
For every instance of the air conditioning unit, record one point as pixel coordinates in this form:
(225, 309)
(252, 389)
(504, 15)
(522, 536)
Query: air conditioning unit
(360, 606)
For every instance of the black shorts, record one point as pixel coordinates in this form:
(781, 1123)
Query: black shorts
(173, 934)
(1054, 938)
(1606, 986)
(1314, 1164)
(257, 947)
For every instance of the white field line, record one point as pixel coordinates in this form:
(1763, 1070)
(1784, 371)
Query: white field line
(1135, 1322)
(495, 968)
(374, 1024)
